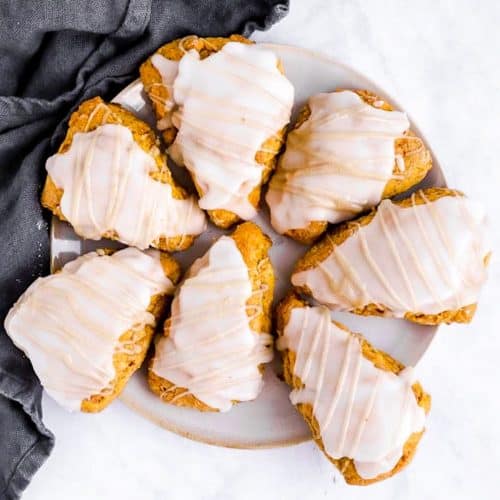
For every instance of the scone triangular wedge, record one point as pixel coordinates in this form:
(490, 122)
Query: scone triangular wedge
(364, 409)
(109, 179)
(217, 338)
(223, 105)
(87, 328)
(346, 152)
(423, 258)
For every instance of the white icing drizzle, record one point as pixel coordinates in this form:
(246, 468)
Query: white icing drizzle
(108, 190)
(224, 107)
(168, 70)
(337, 163)
(69, 323)
(364, 413)
(210, 349)
(426, 258)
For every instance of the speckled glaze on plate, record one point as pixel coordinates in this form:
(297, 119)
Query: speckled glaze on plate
(270, 420)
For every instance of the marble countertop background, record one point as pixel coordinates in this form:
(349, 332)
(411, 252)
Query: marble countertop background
(439, 58)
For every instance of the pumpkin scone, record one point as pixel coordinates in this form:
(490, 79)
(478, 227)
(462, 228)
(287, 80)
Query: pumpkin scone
(222, 105)
(423, 258)
(87, 328)
(348, 150)
(217, 340)
(110, 180)
(365, 410)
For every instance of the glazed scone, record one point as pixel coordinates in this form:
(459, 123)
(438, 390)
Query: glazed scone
(423, 259)
(217, 339)
(222, 105)
(109, 179)
(364, 408)
(347, 151)
(87, 328)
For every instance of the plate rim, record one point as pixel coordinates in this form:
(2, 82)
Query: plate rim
(231, 444)
(280, 443)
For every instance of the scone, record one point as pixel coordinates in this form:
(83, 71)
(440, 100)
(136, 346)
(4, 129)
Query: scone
(222, 105)
(423, 259)
(364, 408)
(348, 150)
(109, 179)
(87, 328)
(217, 339)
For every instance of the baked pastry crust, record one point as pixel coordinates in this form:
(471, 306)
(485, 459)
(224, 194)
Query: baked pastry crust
(320, 251)
(253, 245)
(126, 364)
(150, 77)
(382, 361)
(417, 161)
(94, 113)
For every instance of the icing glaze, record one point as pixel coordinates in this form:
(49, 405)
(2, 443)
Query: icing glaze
(168, 71)
(108, 190)
(363, 412)
(426, 258)
(210, 349)
(69, 323)
(224, 107)
(336, 164)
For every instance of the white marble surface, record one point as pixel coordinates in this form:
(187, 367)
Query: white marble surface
(439, 58)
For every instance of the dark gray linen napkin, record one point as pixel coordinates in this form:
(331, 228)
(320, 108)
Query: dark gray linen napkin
(53, 55)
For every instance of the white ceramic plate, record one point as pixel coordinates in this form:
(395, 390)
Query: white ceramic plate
(270, 420)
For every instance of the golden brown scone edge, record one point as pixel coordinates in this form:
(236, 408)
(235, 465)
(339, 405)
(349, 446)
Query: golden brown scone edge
(382, 361)
(417, 159)
(94, 113)
(253, 245)
(320, 251)
(150, 77)
(126, 364)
